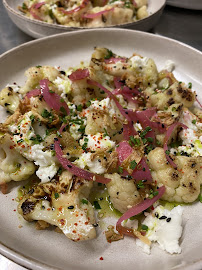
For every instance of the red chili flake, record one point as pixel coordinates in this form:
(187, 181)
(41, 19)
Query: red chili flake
(74, 231)
(12, 199)
(101, 258)
(152, 208)
(75, 224)
(11, 147)
(14, 210)
(86, 223)
(62, 221)
(48, 209)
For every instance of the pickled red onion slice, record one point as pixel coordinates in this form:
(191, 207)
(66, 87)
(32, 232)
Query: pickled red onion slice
(94, 15)
(79, 74)
(167, 136)
(68, 165)
(52, 99)
(135, 210)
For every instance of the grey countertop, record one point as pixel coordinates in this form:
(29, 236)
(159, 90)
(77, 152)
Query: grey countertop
(180, 24)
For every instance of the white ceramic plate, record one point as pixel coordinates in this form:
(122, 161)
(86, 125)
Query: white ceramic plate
(39, 29)
(189, 4)
(49, 250)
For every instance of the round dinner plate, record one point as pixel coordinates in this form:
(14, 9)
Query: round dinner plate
(38, 29)
(189, 4)
(19, 241)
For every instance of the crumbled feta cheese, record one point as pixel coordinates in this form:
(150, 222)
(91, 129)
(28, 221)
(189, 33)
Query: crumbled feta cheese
(106, 104)
(97, 141)
(138, 63)
(169, 66)
(191, 141)
(33, 152)
(166, 229)
(15, 87)
(63, 85)
(93, 165)
(75, 128)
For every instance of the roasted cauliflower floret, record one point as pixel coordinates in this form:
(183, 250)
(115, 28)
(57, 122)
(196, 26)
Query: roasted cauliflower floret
(35, 74)
(13, 166)
(142, 13)
(9, 99)
(176, 93)
(123, 193)
(183, 184)
(134, 70)
(118, 15)
(63, 206)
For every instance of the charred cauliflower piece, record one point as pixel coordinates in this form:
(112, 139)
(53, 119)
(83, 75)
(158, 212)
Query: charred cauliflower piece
(9, 99)
(13, 166)
(183, 184)
(60, 204)
(35, 74)
(123, 193)
(176, 93)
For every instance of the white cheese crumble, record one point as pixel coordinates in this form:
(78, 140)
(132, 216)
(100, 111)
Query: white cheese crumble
(97, 141)
(138, 63)
(166, 230)
(15, 87)
(106, 104)
(63, 85)
(74, 128)
(93, 165)
(33, 152)
(169, 66)
(191, 140)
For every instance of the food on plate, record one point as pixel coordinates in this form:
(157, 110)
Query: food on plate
(114, 133)
(85, 13)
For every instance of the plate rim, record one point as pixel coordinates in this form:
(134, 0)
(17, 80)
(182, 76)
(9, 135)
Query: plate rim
(18, 257)
(73, 28)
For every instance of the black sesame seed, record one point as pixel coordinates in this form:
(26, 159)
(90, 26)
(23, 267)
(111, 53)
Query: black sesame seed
(69, 166)
(156, 215)
(70, 207)
(168, 219)
(56, 139)
(62, 72)
(163, 217)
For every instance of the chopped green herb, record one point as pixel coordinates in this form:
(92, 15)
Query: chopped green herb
(25, 8)
(133, 164)
(56, 195)
(62, 109)
(84, 201)
(173, 109)
(37, 139)
(109, 54)
(167, 152)
(200, 198)
(96, 205)
(60, 171)
(105, 133)
(48, 115)
(144, 227)
(79, 107)
(140, 185)
(32, 117)
(120, 169)
(189, 85)
(194, 121)
(51, 91)
(19, 141)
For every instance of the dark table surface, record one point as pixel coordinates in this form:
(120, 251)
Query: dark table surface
(180, 24)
